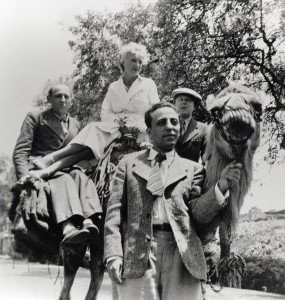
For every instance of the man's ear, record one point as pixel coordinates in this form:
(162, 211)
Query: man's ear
(148, 131)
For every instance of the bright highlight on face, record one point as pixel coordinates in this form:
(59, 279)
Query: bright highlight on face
(60, 99)
(135, 49)
(164, 130)
(132, 64)
(185, 105)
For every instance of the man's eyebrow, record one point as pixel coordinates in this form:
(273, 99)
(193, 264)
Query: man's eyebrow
(163, 119)
(62, 94)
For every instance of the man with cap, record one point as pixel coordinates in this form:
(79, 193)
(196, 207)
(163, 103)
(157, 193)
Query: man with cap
(193, 134)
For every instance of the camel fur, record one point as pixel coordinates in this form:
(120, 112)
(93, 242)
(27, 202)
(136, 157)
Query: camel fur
(234, 136)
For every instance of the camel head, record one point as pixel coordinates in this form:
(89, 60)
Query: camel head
(235, 135)
(236, 112)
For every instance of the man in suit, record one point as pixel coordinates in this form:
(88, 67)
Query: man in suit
(74, 199)
(193, 134)
(152, 249)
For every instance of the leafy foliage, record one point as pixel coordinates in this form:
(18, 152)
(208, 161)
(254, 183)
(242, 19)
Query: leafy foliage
(210, 43)
(262, 244)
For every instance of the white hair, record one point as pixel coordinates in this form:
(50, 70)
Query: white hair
(136, 49)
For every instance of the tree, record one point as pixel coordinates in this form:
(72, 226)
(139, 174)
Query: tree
(209, 43)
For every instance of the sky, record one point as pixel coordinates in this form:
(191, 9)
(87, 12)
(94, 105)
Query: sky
(34, 48)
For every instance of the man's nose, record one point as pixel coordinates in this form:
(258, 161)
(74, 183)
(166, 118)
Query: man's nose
(169, 125)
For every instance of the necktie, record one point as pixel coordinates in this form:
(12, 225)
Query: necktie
(64, 124)
(155, 184)
(182, 130)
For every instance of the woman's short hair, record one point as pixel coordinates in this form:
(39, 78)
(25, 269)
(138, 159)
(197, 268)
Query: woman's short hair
(134, 48)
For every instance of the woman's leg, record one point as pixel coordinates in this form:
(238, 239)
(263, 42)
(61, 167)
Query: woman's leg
(62, 163)
(57, 155)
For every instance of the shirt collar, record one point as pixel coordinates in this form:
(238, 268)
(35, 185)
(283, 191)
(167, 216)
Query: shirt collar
(187, 121)
(64, 119)
(138, 78)
(169, 155)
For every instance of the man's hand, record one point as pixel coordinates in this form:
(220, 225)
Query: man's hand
(114, 268)
(230, 176)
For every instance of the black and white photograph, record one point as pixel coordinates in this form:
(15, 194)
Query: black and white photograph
(142, 150)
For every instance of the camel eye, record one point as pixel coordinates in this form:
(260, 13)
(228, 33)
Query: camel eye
(257, 107)
(216, 113)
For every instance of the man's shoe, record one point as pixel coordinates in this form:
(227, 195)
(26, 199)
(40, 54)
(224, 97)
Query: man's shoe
(76, 236)
(93, 230)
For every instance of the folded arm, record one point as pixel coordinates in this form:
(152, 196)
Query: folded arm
(24, 145)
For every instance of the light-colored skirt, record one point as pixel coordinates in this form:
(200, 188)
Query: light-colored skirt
(98, 135)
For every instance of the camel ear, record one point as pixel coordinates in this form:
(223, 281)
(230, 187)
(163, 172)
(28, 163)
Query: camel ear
(263, 99)
(210, 102)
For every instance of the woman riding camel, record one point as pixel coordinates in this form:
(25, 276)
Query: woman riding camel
(127, 99)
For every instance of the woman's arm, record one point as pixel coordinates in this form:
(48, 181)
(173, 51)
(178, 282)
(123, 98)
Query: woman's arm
(153, 94)
(107, 112)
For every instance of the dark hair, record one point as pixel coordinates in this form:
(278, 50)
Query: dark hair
(148, 114)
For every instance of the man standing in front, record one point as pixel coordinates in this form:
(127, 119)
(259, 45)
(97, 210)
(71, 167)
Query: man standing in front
(152, 249)
(193, 134)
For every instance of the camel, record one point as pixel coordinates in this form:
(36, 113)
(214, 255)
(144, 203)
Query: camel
(235, 135)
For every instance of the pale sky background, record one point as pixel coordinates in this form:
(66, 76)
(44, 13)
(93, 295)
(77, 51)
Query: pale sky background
(34, 48)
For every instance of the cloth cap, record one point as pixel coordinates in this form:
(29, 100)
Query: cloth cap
(197, 98)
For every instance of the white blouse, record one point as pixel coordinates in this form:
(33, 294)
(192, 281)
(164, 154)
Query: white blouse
(119, 103)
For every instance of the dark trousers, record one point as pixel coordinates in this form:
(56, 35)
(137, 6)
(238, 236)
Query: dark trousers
(73, 194)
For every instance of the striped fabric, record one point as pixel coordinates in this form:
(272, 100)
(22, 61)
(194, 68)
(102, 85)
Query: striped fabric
(182, 130)
(155, 184)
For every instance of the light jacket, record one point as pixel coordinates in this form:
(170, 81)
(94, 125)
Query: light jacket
(128, 226)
